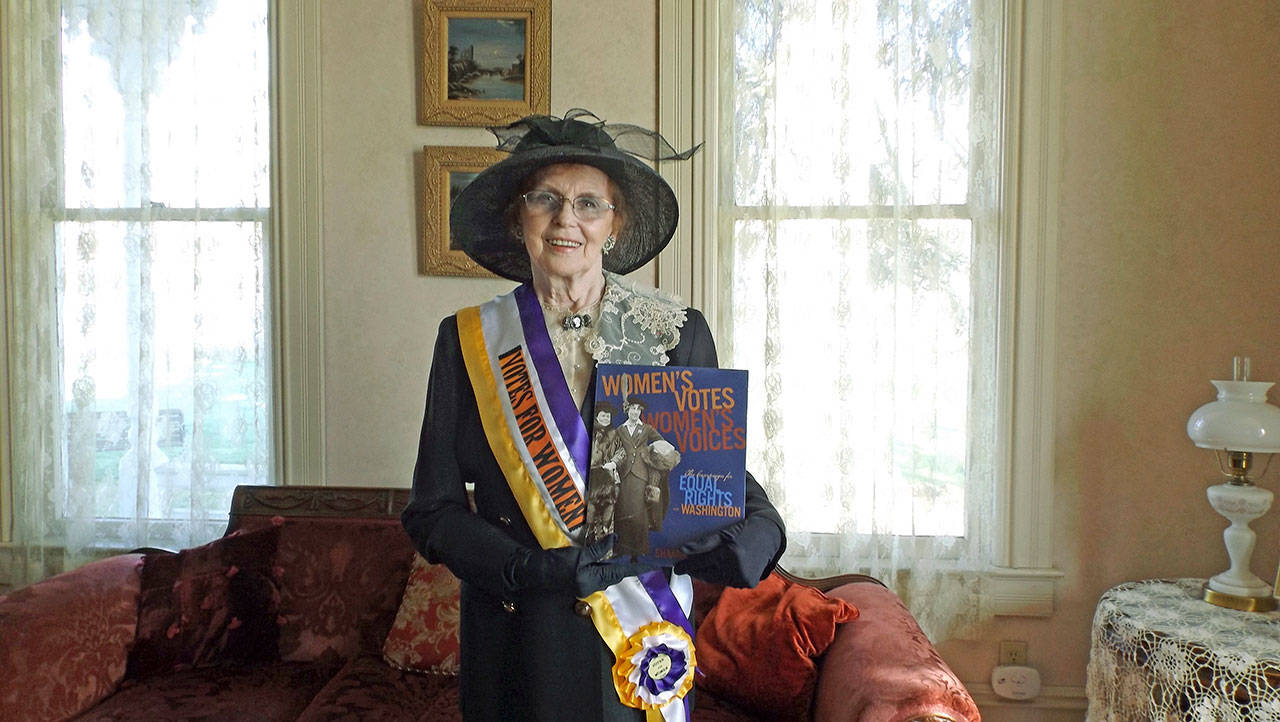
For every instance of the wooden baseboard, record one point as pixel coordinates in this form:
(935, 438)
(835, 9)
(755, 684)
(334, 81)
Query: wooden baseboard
(1063, 697)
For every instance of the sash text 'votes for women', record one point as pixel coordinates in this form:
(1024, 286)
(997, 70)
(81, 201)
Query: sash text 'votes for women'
(533, 430)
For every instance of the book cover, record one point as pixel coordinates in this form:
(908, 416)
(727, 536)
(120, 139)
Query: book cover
(668, 457)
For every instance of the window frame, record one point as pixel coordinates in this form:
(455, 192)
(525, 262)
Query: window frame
(1021, 574)
(295, 264)
(296, 282)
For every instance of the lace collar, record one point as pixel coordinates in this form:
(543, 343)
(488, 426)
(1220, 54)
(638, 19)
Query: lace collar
(637, 325)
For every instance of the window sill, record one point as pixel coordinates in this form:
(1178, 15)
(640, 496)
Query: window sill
(1021, 592)
(1006, 591)
(51, 563)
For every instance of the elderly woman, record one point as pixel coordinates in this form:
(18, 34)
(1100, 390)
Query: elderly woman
(549, 631)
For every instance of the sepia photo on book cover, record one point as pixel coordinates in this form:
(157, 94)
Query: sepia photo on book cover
(668, 457)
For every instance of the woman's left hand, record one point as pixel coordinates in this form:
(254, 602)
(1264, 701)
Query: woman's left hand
(735, 556)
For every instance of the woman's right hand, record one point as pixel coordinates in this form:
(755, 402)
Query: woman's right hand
(577, 570)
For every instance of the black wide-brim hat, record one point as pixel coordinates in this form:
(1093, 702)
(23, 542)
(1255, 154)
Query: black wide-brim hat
(478, 219)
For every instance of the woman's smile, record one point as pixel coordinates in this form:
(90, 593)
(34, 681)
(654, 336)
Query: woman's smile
(565, 244)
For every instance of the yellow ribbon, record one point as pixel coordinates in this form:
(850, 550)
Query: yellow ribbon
(606, 622)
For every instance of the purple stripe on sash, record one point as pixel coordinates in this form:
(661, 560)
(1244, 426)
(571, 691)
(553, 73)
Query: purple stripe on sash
(554, 387)
(655, 583)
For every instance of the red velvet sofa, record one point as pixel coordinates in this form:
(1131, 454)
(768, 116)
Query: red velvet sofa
(110, 641)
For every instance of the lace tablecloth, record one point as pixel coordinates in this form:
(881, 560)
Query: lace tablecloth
(1160, 652)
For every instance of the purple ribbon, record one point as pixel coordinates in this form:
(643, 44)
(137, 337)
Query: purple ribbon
(655, 583)
(554, 387)
(679, 663)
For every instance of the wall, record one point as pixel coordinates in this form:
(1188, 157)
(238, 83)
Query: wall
(1168, 247)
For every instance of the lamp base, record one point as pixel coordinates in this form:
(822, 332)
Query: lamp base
(1239, 584)
(1240, 503)
(1237, 602)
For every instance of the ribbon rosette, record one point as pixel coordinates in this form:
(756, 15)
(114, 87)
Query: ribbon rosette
(656, 667)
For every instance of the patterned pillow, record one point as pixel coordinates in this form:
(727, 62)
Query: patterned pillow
(424, 637)
(215, 603)
(64, 641)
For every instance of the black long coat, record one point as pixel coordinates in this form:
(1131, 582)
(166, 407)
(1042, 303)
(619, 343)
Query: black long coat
(636, 514)
(530, 655)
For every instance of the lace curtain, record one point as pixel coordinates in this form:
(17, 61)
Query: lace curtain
(138, 153)
(857, 227)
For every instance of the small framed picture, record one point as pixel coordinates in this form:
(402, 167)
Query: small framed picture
(485, 62)
(446, 170)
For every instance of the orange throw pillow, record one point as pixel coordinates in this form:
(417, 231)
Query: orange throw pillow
(424, 637)
(758, 648)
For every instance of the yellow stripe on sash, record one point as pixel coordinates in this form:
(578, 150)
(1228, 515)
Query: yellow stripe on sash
(606, 622)
(476, 358)
(549, 466)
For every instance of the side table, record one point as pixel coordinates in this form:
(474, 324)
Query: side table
(1160, 653)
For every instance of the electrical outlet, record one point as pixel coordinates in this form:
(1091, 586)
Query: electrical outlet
(1013, 653)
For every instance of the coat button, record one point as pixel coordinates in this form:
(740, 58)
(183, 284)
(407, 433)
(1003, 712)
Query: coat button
(504, 520)
(582, 609)
(510, 606)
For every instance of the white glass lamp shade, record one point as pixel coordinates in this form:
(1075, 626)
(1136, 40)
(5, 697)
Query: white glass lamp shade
(1240, 420)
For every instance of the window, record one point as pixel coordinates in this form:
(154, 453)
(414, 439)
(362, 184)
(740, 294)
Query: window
(854, 232)
(856, 228)
(156, 280)
(160, 243)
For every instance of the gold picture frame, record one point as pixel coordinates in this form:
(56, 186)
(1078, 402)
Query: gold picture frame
(485, 62)
(445, 171)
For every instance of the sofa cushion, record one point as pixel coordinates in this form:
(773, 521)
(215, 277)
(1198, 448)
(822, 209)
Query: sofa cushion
(757, 647)
(64, 641)
(341, 583)
(705, 596)
(257, 693)
(424, 637)
(369, 690)
(210, 604)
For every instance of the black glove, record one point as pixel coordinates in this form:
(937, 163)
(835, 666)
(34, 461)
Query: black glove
(577, 570)
(736, 556)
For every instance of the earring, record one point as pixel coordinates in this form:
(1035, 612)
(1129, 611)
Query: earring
(518, 233)
(609, 243)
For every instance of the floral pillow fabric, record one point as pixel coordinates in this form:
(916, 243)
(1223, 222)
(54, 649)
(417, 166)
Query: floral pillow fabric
(424, 637)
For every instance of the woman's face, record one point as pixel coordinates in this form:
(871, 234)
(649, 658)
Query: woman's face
(562, 246)
(604, 418)
(633, 412)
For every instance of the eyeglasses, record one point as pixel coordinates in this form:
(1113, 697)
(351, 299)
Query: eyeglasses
(586, 208)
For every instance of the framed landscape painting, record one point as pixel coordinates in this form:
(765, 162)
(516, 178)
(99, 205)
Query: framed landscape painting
(485, 62)
(446, 170)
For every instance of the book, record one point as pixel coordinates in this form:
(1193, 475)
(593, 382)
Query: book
(668, 457)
